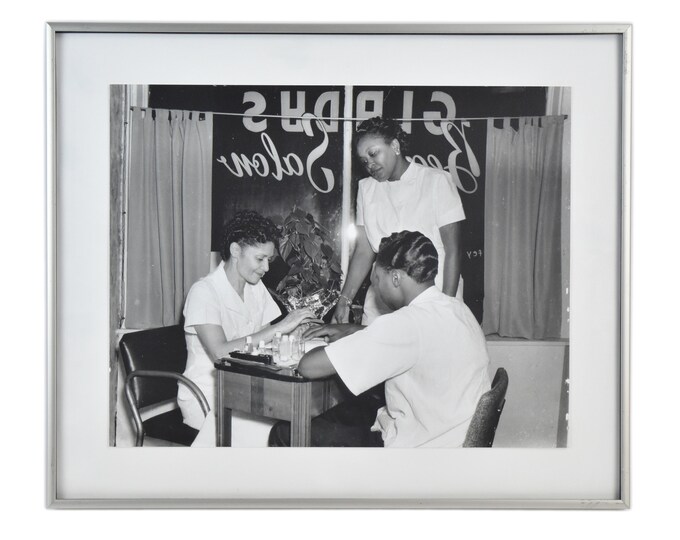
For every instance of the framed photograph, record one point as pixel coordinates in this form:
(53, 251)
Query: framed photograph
(211, 187)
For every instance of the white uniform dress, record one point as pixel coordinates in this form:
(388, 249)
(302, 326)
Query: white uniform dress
(423, 199)
(432, 356)
(213, 300)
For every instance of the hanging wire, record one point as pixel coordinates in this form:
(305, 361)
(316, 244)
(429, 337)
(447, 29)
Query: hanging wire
(343, 119)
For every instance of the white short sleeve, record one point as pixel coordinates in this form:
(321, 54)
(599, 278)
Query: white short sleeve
(447, 204)
(202, 307)
(385, 349)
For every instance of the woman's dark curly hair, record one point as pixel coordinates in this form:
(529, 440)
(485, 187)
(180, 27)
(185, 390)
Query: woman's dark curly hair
(412, 252)
(247, 228)
(386, 128)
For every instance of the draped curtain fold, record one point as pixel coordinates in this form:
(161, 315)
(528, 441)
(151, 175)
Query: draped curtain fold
(522, 233)
(169, 210)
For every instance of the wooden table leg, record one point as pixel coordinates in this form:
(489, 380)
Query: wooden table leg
(224, 427)
(301, 420)
(223, 414)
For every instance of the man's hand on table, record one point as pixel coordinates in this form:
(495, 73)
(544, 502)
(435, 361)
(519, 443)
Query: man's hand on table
(332, 332)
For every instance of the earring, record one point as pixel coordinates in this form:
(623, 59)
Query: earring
(396, 151)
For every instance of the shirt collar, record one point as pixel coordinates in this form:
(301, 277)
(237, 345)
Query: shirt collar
(425, 296)
(230, 298)
(410, 174)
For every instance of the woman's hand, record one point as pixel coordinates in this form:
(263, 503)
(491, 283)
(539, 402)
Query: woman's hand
(359, 267)
(341, 313)
(332, 332)
(296, 317)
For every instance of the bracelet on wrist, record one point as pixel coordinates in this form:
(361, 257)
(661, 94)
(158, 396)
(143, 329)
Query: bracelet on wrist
(345, 298)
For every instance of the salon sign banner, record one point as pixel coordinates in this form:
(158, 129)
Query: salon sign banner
(276, 153)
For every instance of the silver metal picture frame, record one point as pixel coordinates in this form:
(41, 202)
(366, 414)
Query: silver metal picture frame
(79, 409)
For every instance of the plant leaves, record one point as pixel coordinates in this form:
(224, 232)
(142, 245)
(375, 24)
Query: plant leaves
(327, 250)
(310, 255)
(303, 227)
(311, 248)
(295, 269)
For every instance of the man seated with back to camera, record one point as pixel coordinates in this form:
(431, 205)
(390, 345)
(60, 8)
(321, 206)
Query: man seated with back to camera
(430, 352)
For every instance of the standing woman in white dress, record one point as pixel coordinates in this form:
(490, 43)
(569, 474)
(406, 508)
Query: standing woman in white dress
(221, 311)
(399, 195)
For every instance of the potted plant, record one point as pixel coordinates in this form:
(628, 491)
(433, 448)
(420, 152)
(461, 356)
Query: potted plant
(314, 272)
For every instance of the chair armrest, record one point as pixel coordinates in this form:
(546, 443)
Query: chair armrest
(132, 402)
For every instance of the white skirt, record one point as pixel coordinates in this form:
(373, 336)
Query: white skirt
(247, 430)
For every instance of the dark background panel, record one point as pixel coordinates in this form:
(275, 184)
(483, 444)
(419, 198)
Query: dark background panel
(272, 169)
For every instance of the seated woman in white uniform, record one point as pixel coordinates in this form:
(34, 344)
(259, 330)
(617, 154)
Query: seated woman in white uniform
(221, 311)
(400, 195)
(430, 351)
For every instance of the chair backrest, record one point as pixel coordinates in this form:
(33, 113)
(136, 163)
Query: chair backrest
(158, 349)
(484, 421)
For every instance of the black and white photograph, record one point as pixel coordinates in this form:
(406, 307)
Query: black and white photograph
(139, 137)
(339, 266)
(286, 278)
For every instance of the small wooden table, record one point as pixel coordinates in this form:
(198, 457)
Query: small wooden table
(282, 394)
